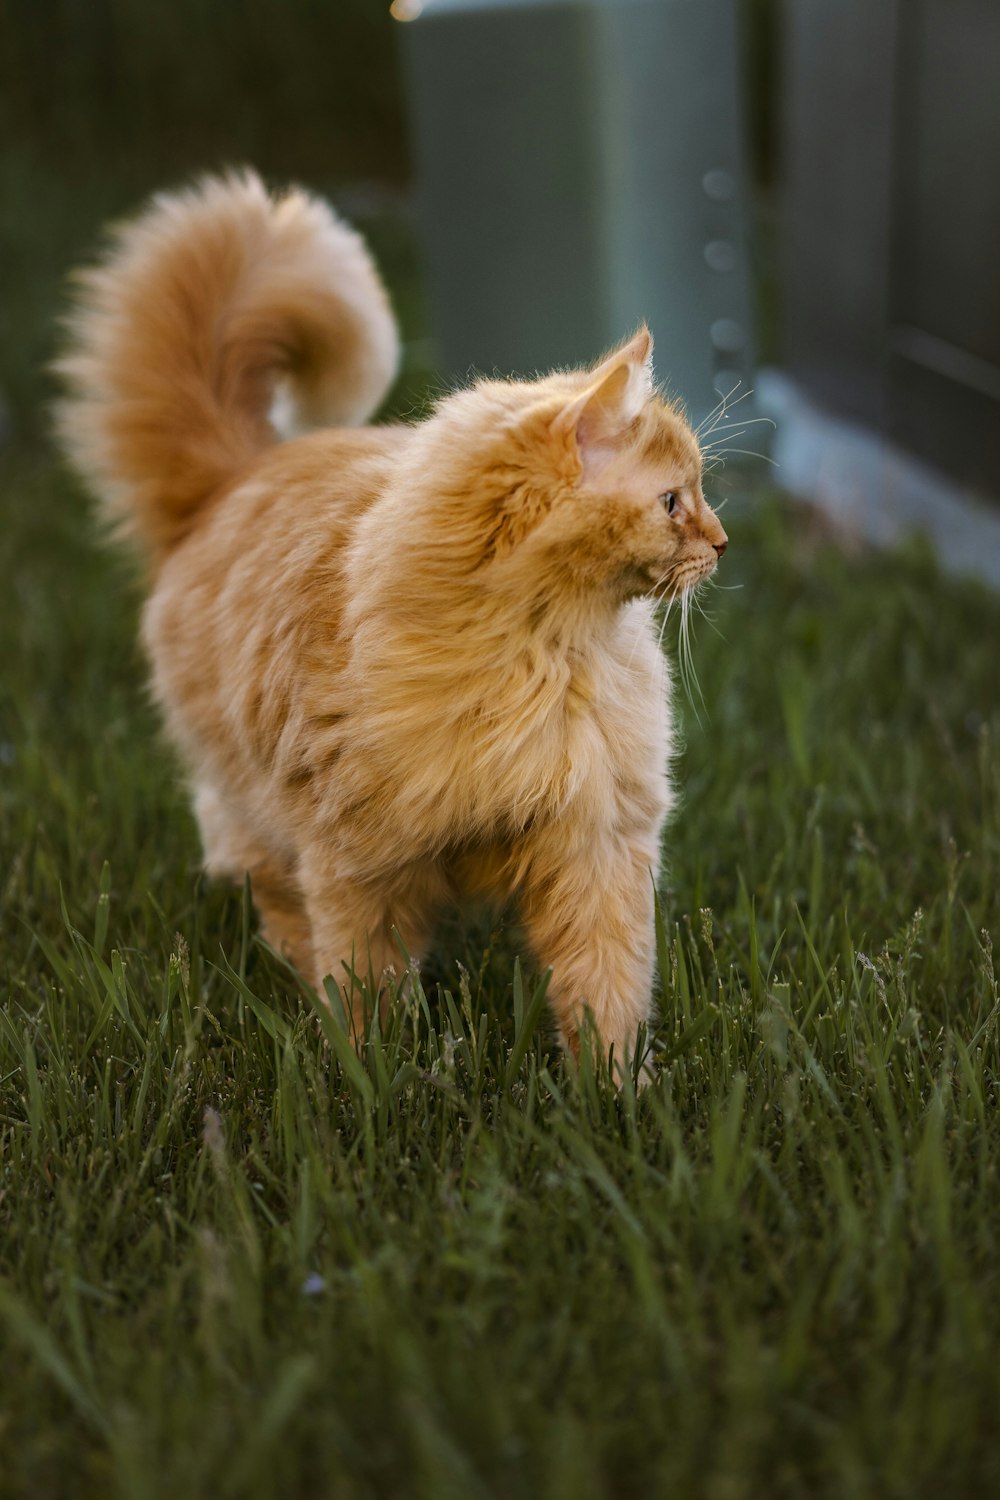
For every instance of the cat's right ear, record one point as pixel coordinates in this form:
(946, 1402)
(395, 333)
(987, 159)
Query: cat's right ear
(599, 417)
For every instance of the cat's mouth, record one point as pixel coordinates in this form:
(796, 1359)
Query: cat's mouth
(677, 580)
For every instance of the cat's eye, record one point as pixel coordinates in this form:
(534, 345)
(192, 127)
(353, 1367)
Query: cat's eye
(670, 501)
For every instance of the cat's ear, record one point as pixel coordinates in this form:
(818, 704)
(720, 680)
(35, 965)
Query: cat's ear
(615, 393)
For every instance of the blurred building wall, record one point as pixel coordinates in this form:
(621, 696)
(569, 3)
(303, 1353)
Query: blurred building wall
(890, 221)
(581, 168)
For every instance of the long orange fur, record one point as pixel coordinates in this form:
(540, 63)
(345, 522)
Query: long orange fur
(401, 663)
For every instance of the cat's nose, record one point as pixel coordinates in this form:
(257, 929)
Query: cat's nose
(720, 547)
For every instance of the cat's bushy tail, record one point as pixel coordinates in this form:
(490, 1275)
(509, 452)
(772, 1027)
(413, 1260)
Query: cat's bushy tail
(207, 305)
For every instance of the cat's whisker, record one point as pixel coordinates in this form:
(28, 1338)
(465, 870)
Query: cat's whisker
(693, 671)
(727, 407)
(654, 593)
(722, 407)
(702, 425)
(689, 676)
(749, 453)
(668, 600)
(721, 427)
(699, 604)
(733, 430)
(659, 639)
(722, 446)
(663, 624)
(718, 434)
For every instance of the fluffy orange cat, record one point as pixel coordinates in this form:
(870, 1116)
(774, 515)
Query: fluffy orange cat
(402, 663)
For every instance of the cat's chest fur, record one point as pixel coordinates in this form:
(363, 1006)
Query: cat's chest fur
(483, 747)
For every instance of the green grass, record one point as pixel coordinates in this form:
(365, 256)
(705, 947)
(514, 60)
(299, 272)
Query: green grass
(235, 1261)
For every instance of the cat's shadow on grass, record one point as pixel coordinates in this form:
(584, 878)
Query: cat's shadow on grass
(476, 944)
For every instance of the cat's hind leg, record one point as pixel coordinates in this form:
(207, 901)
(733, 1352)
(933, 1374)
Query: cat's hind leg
(231, 849)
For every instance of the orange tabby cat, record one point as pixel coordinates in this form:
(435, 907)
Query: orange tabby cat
(402, 663)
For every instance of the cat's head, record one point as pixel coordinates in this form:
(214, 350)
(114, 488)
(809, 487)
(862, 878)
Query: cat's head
(602, 481)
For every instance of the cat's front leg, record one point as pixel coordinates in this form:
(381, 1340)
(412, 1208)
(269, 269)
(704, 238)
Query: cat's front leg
(587, 903)
(361, 928)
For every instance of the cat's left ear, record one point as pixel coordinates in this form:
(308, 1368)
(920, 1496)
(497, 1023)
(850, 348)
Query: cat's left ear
(616, 392)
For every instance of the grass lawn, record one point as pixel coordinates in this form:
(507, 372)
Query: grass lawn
(235, 1261)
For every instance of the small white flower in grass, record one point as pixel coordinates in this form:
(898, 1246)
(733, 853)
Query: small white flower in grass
(213, 1136)
(314, 1285)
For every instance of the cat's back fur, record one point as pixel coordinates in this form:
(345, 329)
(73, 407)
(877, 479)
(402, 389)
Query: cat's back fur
(401, 662)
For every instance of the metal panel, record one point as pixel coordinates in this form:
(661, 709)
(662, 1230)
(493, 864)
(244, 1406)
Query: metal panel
(673, 131)
(581, 170)
(891, 220)
(837, 173)
(947, 243)
(944, 333)
(506, 142)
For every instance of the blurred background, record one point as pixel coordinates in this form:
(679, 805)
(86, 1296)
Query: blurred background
(802, 198)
